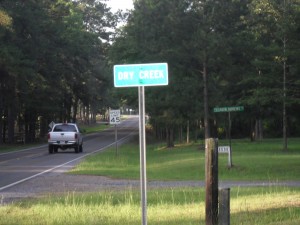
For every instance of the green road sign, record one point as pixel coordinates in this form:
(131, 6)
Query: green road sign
(229, 109)
(134, 75)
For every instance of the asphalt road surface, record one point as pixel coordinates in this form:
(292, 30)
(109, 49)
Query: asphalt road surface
(33, 172)
(21, 166)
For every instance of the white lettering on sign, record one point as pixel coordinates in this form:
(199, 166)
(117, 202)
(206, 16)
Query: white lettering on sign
(223, 149)
(151, 74)
(125, 75)
(136, 75)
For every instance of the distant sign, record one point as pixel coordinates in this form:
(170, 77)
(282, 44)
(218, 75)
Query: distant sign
(134, 75)
(229, 109)
(223, 149)
(51, 125)
(226, 149)
(114, 116)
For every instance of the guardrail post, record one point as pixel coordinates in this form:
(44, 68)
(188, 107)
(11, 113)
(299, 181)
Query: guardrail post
(224, 206)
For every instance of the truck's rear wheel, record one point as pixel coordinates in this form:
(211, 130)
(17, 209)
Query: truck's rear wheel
(50, 148)
(76, 148)
(80, 148)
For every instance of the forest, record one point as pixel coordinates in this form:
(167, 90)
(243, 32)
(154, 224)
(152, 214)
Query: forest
(57, 58)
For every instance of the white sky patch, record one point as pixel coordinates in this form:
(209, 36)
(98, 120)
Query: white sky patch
(120, 4)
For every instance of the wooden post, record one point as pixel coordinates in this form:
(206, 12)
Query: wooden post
(224, 207)
(211, 180)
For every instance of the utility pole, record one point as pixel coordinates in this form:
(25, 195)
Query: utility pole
(211, 181)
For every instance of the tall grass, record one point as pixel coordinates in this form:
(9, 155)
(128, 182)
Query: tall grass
(178, 206)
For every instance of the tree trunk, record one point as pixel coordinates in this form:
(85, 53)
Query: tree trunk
(284, 116)
(43, 127)
(205, 101)
(1, 124)
(1, 131)
(30, 126)
(188, 132)
(252, 133)
(3, 92)
(258, 130)
(11, 125)
(75, 108)
(180, 134)
(170, 137)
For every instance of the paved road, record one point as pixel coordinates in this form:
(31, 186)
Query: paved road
(31, 172)
(21, 166)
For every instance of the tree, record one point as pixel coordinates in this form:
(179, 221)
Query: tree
(51, 68)
(275, 25)
(155, 33)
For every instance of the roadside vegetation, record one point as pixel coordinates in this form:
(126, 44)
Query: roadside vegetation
(167, 206)
(182, 206)
(16, 147)
(87, 129)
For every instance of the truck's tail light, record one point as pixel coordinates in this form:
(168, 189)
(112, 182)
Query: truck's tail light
(76, 136)
(48, 136)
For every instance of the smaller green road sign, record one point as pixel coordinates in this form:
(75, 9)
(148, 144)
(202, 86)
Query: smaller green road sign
(134, 75)
(229, 109)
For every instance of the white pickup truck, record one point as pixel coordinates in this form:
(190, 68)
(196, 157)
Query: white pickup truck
(64, 136)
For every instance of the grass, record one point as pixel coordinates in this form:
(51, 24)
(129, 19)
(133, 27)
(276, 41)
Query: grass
(182, 206)
(252, 161)
(87, 129)
(168, 206)
(16, 147)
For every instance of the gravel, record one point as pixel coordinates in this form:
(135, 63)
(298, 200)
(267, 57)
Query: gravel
(58, 183)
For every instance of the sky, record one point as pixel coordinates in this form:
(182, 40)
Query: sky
(120, 4)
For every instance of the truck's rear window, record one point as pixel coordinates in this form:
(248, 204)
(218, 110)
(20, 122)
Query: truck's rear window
(65, 128)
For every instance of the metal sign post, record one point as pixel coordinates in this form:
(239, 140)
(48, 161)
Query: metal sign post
(229, 127)
(141, 75)
(116, 139)
(143, 178)
(114, 118)
(229, 109)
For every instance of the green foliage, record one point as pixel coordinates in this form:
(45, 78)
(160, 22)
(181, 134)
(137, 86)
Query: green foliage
(239, 42)
(67, 57)
(52, 62)
(5, 20)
